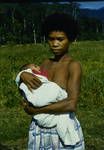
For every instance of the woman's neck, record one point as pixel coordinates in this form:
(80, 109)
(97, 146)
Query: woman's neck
(60, 57)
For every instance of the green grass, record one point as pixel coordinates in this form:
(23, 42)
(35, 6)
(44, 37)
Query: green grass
(14, 122)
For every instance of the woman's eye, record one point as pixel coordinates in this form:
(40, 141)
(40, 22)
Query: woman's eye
(60, 39)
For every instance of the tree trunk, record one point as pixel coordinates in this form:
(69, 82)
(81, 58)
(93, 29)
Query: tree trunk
(34, 33)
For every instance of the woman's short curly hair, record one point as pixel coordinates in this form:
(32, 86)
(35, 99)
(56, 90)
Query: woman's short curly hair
(60, 22)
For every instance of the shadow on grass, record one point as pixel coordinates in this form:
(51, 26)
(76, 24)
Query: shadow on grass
(90, 147)
(4, 147)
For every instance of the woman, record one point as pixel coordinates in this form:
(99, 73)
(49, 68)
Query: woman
(60, 30)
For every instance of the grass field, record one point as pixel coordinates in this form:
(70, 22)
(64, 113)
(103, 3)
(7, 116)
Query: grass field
(14, 122)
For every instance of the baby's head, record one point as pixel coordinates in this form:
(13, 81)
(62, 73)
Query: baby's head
(31, 66)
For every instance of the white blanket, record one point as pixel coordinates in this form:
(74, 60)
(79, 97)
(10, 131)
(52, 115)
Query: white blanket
(49, 92)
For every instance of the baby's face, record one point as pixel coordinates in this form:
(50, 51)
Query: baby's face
(35, 67)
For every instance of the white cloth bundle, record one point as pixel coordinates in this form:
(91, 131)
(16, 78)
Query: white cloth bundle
(49, 92)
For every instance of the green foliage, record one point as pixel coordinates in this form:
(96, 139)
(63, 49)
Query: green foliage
(91, 100)
(18, 21)
(90, 54)
(13, 128)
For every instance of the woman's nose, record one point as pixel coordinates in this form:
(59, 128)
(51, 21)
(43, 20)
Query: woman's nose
(55, 43)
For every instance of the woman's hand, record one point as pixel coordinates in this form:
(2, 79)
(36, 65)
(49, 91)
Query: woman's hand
(30, 80)
(29, 109)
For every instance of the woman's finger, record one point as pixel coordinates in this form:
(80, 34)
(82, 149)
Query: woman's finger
(37, 83)
(29, 87)
(24, 103)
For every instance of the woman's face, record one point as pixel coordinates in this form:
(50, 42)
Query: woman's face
(58, 42)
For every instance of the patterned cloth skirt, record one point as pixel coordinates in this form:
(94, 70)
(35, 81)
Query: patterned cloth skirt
(48, 139)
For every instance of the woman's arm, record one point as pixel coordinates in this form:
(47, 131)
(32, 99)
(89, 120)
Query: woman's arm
(66, 105)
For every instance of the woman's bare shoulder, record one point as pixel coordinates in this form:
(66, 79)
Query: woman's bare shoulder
(75, 66)
(45, 63)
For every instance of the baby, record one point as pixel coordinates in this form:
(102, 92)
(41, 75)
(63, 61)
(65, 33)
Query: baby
(49, 92)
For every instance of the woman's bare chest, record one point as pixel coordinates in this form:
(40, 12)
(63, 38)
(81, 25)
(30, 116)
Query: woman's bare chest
(58, 73)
